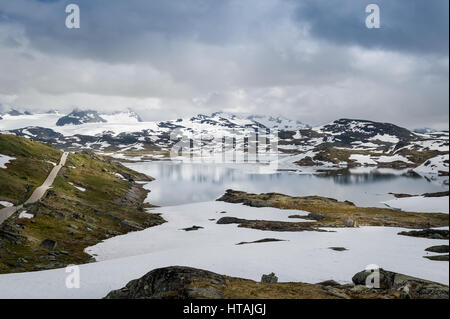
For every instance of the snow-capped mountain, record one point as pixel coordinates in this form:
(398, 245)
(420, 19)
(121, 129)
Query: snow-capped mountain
(128, 117)
(78, 117)
(13, 112)
(344, 142)
(349, 131)
(261, 121)
(53, 119)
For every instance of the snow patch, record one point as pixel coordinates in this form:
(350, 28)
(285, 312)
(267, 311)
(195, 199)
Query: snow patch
(421, 204)
(385, 138)
(6, 204)
(362, 159)
(78, 187)
(26, 215)
(4, 159)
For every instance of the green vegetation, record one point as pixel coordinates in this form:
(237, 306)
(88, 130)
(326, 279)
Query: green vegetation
(332, 213)
(419, 156)
(89, 202)
(28, 170)
(336, 156)
(236, 288)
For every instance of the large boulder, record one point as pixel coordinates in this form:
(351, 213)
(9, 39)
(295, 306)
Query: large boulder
(269, 279)
(172, 283)
(348, 222)
(405, 286)
(49, 244)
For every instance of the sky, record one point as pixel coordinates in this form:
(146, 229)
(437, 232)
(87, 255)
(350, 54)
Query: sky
(308, 60)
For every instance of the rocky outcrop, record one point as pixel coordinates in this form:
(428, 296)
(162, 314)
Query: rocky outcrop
(316, 216)
(329, 212)
(427, 233)
(269, 279)
(265, 240)
(308, 161)
(49, 244)
(190, 283)
(338, 248)
(405, 286)
(270, 225)
(172, 283)
(438, 257)
(442, 249)
(193, 228)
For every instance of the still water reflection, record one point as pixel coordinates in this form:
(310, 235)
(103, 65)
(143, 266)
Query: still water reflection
(181, 183)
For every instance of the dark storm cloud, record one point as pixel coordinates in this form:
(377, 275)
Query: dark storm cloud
(110, 28)
(420, 26)
(311, 60)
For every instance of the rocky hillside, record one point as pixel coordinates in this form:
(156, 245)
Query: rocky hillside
(31, 164)
(345, 143)
(191, 283)
(93, 198)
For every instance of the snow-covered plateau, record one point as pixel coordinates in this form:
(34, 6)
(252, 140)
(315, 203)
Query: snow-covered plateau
(301, 256)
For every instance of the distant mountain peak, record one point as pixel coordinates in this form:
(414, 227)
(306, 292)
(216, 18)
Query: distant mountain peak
(78, 117)
(425, 130)
(14, 112)
(350, 130)
(125, 117)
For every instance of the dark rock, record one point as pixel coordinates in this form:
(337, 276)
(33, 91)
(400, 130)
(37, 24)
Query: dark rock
(172, 283)
(427, 233)
(407, 286)
(192, 228)
(401, 195)
(265, 240)
(49, 244)
(438, 258)
(229, 220)
(438, 249)
(297, 217)
(131, 224)
(269, 279)
(316, 216)
(308, 161)
(338, 248)
(259, 203)
(438, 194)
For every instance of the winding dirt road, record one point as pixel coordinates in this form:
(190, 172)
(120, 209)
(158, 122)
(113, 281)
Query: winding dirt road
(38, 193)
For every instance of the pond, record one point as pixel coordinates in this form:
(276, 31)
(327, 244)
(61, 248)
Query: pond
(181, 183)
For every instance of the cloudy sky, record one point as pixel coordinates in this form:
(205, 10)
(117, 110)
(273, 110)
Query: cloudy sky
(311, 60)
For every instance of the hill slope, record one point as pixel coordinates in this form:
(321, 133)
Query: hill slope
(92, 198)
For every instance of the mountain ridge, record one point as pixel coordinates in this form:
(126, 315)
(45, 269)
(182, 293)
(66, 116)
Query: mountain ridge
(346, 141)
